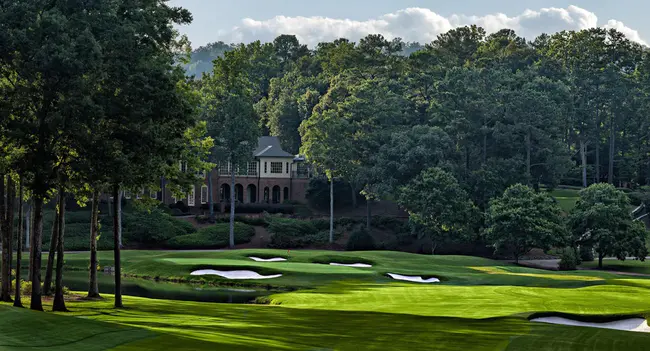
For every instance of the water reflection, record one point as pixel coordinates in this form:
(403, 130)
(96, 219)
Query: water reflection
(78, 281)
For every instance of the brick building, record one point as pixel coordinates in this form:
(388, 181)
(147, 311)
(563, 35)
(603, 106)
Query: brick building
(274, 177)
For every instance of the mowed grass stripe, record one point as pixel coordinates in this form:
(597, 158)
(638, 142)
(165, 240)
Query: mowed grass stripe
(471, 302)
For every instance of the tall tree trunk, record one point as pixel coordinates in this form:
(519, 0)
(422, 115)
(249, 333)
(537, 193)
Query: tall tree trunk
(210, 197)
(116, 248)
(583, 161)
(93, 288)
(484, 149)
(529, 176)
(35, 251)
(4, 271)
(29, 239)
(332, 210)
(19, 245)
(600, 261)
(7, 232)
(232, 209)
(368, 214)
(612, 148)
(119, 217)
(597, 145)
(11, 197)
(47, 283)
(59, 302)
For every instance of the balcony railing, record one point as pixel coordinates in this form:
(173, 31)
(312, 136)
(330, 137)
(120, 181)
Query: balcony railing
(299, 175)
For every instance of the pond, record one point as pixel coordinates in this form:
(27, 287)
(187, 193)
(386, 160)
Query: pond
(78, 281)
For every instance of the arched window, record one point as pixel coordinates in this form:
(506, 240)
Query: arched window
(276, 194)
(251, 189)
(239, 193)
(266, 195)
(286, 194)
(224, 193)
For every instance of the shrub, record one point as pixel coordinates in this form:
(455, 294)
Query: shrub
(179, 205)
(291, 227)
(360, 240)
(212, 237)
(321, 224)
(568, 260)
(260, 208)
(151, 229)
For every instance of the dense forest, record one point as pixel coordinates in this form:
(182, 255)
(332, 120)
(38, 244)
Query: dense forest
(496, 109)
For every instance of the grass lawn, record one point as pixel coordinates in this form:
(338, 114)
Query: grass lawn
(480, 304)
(300, 271)
(631, 266)
(566, 198)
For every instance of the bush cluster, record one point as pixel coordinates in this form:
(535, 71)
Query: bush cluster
(360, 240)
(261, 208)
(212, 237)
(289, 233)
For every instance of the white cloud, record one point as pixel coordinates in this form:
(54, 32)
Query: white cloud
(419, 24)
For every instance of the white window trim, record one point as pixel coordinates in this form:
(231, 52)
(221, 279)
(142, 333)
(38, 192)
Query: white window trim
(191, 197)
(204, 200)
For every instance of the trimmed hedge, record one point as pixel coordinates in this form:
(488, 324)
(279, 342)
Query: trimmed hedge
(360, 240)
(261, 208)
(139, 229)
(212, 237)
(288, 233)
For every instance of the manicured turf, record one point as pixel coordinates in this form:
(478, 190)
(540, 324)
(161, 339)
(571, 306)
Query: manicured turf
(300, 271)
(480, 304)
(566, 198)
(630, 266)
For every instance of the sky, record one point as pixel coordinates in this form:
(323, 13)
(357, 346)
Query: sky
(234, 21)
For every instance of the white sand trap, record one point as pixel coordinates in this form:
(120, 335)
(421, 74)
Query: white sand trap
(632, 324)
(235, 274)
(358, 265)
(417, 279)
(274, 259)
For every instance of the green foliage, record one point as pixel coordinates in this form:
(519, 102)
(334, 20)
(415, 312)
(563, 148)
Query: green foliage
(212, 237)
(586, 253)
(601, 220)
(360, 240)
(568, 260)
(522, 219)
(435, 200)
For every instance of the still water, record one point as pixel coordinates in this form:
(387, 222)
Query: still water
(78, 281)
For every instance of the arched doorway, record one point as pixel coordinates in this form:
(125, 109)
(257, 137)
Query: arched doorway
(239, 193)
(276, 194)
(286, 194)
(266, 195)
(224, 193)
(252, 193)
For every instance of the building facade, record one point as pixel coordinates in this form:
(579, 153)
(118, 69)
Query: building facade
(273, 177)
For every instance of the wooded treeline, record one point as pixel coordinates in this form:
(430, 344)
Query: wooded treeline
(91, 101)
(494, 110)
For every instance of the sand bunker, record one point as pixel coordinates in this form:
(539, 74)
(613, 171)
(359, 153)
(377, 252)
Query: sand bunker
(274, 259)
(632, 324)
(358, 265)
(235, 274)
(415, 279)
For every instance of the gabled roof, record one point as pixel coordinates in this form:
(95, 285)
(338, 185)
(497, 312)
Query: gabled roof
(269, 146)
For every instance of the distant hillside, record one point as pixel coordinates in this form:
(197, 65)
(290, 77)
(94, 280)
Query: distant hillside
(201, 58)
